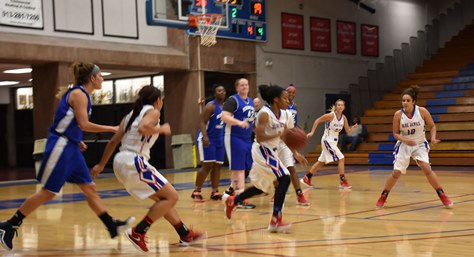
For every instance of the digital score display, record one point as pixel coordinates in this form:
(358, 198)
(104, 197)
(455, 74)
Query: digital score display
(241, 19)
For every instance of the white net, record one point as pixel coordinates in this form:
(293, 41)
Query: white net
(207, 27)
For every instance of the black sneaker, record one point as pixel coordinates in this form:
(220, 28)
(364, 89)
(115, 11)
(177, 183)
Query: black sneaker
(7, 232)
(120, 226)
(230, 191)
(197, 197)
(216, 196)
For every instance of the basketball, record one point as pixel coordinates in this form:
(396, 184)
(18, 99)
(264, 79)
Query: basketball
(295, 138)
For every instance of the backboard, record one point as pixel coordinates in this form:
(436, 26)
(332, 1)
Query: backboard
(242, 19)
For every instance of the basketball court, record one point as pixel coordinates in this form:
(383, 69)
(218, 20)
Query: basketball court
(338, 223)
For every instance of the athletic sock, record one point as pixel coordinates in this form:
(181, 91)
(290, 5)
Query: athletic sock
(16, 219)
(182, 230)
(144, 225)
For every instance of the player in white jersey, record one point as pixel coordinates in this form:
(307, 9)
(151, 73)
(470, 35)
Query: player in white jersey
(335, 121)
(272, 123)
(409, 129)
(137, 133)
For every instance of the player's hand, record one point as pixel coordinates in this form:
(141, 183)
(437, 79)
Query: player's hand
(96, 170)
(165, 129)
(205, 141)
(410, 142)
(435, 141)
(244, 124)
(310, 135)
(300, 158)
(82, 146)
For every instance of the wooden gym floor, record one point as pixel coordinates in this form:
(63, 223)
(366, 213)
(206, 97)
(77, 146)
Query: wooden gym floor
(338, 223)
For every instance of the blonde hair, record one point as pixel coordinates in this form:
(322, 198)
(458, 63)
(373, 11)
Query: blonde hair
(333, 107)
(62, 90)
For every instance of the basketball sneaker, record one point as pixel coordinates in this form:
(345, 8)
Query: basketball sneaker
(197, 197)
(7, 232)
(137, 240)
(230, 191)
(216, 196)
(306, 181)
(278, 226)
(301, 200)
(229, 205)
(119, 226)
(381, 202)
(343, 184)
(445, 199)
(192, 237)
(246, 205)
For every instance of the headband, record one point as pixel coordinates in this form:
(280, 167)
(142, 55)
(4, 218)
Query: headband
(291, 87)
(94, 71)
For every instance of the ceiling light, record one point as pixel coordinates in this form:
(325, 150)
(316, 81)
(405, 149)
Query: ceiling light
(104, 73)
(18, 71)
(8, 83)
(30, 80)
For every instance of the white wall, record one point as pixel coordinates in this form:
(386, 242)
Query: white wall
(316, 74)
(123, 21)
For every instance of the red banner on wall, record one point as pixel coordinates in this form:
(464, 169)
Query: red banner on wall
(369, 40)
(320, 29)
(346, 37)
(292, 31)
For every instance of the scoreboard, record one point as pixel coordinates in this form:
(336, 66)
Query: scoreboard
(241, 19)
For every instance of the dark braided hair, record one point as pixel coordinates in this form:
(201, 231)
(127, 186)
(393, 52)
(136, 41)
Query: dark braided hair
(412, 91)
(269, 93)
(147, 95)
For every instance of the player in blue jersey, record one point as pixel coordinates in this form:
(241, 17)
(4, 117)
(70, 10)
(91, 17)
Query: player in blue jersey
(62, 160)
(239, 114)
(210, 145)
(291, 89)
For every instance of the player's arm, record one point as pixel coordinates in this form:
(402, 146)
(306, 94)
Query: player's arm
(323, 118)
(426, 115)
(205, 116)
(262, 122)
(78, 101)
(148, 124)
(396, 129)
(346, 125)
(109, 150)
(230, 105)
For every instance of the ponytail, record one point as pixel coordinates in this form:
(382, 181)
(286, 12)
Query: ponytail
(147, 95)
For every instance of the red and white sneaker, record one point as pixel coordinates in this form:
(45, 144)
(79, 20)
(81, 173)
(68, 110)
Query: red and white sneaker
(278, 226)
(192, 237)
(197, 197)
(343, 184)
(381, 202)
(137, 240)
(306, 181)
(229, 205)
(445, 199)
(301, 200)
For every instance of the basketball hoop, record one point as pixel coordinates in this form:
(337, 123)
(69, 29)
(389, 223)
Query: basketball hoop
(207, 26)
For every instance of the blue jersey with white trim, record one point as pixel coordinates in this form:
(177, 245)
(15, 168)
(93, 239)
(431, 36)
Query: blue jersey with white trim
(292, 108)
(65, 123)
(245, 111)
(215, 125)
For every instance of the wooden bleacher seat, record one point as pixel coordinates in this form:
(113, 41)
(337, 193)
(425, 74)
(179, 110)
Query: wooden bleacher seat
(446, 90)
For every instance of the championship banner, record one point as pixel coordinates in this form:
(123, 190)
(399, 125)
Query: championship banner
(22, 13)
(369, 40)
(292, 32)
(346, 37)
(320, 29)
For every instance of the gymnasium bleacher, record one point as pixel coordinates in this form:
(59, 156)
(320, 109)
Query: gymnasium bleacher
(447, 90)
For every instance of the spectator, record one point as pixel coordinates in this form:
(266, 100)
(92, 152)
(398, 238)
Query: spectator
(354, 138)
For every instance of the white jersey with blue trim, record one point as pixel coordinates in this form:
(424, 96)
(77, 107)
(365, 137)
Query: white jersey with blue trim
(333, 127)
(276, 125)
(414, 128)
(135, 142)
